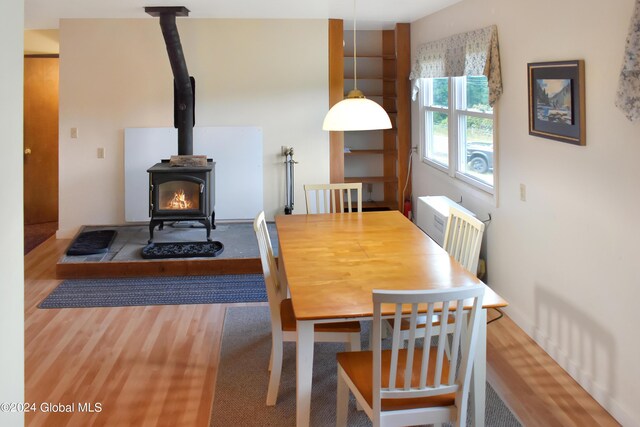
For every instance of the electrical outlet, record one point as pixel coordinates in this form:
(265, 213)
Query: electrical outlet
(74, 133)
(523, 192)
(101, 152)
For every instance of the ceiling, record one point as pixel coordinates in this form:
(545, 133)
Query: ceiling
(371, 14)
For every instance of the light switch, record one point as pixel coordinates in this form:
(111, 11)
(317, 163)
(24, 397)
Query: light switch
(101, 152)
(523, 192)
(74, 133)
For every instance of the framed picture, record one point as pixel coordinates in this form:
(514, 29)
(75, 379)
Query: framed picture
(556, 101)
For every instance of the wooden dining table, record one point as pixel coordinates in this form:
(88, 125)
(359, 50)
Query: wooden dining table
(332, 263)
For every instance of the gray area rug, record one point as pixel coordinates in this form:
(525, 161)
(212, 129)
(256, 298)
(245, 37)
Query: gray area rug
(169, 290)
(241, 386)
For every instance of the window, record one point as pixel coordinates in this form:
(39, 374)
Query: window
(457, 124)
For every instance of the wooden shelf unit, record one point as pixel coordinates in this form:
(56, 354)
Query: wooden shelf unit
(378, 158)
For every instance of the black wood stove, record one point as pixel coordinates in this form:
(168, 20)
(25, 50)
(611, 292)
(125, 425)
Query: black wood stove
(180, 189)
(181, 193)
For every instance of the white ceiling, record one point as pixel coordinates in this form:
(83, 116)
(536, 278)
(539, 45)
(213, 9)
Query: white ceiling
(371, 14)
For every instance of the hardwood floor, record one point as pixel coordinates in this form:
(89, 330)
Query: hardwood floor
(156, 365)
(537, 390)
(153, 365)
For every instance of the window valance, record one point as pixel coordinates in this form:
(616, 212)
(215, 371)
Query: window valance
(474, 53)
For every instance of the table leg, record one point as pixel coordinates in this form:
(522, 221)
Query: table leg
(479, 377)
(304, 372)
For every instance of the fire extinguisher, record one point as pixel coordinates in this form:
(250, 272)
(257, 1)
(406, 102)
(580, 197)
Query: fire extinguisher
(407, 208)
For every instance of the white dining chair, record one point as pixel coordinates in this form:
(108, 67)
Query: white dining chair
(330, 198)
(283, 321)
(414, 385)
(462, 240)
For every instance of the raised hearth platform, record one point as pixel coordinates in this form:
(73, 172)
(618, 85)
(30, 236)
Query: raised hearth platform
(124, 259)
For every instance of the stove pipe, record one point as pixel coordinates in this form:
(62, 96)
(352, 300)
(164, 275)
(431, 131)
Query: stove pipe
(184, 116)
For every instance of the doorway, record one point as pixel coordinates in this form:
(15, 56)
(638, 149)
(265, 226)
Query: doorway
(41, 86)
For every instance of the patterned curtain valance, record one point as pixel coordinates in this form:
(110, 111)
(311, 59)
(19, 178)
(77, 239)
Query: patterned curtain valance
(628, 96)
(467, 54)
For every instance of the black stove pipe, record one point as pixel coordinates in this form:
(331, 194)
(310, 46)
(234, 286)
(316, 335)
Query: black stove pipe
(184, 91)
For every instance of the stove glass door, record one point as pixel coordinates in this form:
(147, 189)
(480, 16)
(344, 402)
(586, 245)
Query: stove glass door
(179, 196)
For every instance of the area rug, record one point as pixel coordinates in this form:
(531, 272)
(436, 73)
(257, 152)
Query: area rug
(166, 290)
(35, 234)
(241, 385)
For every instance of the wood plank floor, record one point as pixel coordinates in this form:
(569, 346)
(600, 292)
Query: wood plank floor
(156, 365)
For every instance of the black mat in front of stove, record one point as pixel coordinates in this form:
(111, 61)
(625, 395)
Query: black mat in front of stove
(182, 250)
(91, 242)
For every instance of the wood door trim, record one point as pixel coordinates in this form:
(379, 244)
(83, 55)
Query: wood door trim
(41, 128)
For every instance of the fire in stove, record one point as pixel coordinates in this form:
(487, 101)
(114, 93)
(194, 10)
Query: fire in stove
(178, 195)
(179, 201)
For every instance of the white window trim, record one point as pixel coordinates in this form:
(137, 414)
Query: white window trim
(454, 117)
(423, 122)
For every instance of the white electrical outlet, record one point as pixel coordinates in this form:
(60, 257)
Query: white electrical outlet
(101, 152)
(74, 133)
(523, 192)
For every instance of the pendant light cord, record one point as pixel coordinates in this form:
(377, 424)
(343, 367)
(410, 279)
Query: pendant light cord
(355, 79)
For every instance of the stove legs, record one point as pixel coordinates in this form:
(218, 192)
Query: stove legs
(160, 223)
(207, 224)
(152, 225)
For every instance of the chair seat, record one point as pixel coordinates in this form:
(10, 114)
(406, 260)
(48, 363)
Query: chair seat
(422, 322)
(288, 320)
(358, 366)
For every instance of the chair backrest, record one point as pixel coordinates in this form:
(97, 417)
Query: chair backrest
(463, 238)
(330, 198)
(275, 291)
(413, 378)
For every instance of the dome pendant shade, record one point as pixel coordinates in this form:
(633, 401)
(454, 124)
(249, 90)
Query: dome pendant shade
(356, 112)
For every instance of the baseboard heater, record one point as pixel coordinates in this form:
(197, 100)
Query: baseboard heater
(433, 213)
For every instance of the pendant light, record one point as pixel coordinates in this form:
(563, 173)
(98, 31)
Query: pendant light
(356, 112)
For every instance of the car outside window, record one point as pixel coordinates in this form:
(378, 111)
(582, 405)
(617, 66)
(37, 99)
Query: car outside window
(457, 124)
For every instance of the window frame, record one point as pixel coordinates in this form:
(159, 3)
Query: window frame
(427, 92)
(456, 127)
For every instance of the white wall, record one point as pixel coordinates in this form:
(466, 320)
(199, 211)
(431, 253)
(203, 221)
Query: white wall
(116, 74)
(11, 244)
(566, 259)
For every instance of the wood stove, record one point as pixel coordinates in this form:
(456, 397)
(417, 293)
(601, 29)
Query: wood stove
(181, 193)
(180, 189)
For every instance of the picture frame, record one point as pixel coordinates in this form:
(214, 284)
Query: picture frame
(556, 101)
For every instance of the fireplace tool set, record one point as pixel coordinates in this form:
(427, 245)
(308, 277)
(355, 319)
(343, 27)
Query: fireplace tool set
(287, 152)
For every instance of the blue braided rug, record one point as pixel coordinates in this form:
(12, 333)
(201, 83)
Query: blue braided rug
(166, 290)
